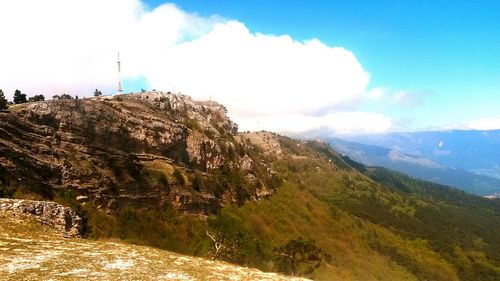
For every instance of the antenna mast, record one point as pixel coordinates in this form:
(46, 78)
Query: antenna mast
(120, 91)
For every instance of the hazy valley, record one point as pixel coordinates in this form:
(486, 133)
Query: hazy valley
(430, 164)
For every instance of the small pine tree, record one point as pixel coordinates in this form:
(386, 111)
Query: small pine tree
(97, 93)
(19, 97)
(3, 101)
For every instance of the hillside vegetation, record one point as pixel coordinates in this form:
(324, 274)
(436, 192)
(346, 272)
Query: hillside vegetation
(30, 251)
(369, 223)
(375, 223)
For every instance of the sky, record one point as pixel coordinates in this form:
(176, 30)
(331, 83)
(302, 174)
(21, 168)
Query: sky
(307, 68)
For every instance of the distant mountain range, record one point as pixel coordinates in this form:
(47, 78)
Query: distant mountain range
(469, 160)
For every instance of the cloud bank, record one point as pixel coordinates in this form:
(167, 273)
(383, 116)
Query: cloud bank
(484, 124)
(266, 81)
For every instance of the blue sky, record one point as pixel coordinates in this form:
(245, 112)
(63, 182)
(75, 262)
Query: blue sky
(303, 68)
(447, 53)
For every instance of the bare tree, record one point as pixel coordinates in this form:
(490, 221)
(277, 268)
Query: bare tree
(217, 246)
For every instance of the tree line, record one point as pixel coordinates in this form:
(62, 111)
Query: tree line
(20, 98)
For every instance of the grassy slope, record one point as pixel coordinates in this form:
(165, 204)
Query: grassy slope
(395, 228)
(33, 252)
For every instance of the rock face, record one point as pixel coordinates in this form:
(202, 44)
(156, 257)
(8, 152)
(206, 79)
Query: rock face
(137, 150)
(62, 218)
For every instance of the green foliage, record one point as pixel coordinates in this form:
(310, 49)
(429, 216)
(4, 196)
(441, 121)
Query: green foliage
(158, 177)
(19, 97)
(238, 243)
(179, 178)
(300, 256)
(97, 93)
(162, 228)
(6, 192)
(197, 181)
(192, 124)
(67, 197)
(62, 97)
(410, 210)
(36, 98)
(3, 101)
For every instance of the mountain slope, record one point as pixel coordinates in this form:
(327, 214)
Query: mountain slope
(34, 252)
(416, 166)
(254, 194)
(401, 222)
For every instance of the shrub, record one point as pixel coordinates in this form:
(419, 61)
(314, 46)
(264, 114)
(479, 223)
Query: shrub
(36, 98)
(179, 178)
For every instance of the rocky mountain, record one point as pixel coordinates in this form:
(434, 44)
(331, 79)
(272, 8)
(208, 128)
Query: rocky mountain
(417, 166)
(140, 150)
(169, 172)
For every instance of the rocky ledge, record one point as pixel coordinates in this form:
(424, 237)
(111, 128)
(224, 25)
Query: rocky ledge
(48, 213)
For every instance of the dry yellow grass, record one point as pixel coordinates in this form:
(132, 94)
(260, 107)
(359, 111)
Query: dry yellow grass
(34, 252)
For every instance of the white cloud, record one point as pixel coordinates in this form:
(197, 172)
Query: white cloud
(262, 74)
(338, 122)
(376, 93)
(399, 98)
(485, 124)
(266, 81)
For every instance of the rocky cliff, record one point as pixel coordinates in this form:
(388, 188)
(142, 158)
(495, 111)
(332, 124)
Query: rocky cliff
(63, 219)
(140, 150)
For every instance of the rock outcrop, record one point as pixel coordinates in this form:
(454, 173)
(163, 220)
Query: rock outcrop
(138, 150)
(64, 219)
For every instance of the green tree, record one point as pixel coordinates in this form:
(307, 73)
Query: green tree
(19, 97)
(97, 93)
(36, 98)
(3, 101)
(62, 97)
(300, 256)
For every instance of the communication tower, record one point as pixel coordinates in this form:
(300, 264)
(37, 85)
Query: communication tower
(120, 91)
